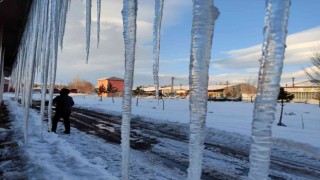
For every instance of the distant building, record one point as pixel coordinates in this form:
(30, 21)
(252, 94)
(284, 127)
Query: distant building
(244, 91)
(116, 82)
(305, 94)
(241, 91)
(216, 91)
(175, 90)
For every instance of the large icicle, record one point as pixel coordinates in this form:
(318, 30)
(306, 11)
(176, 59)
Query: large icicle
(18, 71)
(44, 61)
(129, 15)
(88, 27)
(32, 27)
(54, 53)
(1, 65)
(156, 42)
(204, 17)
(98, 21)
(276, 21)
(62, 20)
(1, 72)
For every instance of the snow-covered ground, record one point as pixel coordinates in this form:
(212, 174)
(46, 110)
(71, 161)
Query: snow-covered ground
(82, 156)
(233, 117)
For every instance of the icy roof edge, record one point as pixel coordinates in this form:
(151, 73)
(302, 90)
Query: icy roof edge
(111, 78)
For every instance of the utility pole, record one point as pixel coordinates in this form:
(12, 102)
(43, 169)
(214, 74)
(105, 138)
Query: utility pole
(172, 79)
(292, 81)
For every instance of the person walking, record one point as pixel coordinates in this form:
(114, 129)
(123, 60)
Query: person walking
(63, 104)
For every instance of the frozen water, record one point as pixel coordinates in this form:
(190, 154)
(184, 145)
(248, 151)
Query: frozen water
(98, 21)
(62, 20)
(275, 33)
(129, 15)
(1, 66)
(37, 52)
(156, 42)
(54, 53)
(88, 27)
(204, 17)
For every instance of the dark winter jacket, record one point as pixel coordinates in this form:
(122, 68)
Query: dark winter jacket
(63, 104)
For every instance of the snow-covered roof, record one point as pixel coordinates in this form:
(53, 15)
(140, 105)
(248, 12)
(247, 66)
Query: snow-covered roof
(149, 88)
(210, 87)
(215, 87)
(111, 78)
(176, 87)
(303, 84)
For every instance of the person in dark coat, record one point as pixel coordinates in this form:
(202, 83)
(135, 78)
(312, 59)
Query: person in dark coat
(63, 104)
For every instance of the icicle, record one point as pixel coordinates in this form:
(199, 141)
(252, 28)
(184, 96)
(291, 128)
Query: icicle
(62, 21)
(98, 21)
(32, 27)
(156, 43)
(204, 17)
(277, 13)
(47, 61)
(1, 65)
(88, 27)
(44, 62)
(129, 15)
(54, 54)
(40, 34)
(1, 72)
(18, 77)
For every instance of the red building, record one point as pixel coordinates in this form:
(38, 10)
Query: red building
(117, 83)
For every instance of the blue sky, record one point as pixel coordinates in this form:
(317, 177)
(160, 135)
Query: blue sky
(236, 43)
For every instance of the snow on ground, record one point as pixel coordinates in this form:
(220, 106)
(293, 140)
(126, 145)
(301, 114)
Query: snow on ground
(76, 156)
(82, 156)
(233, 117)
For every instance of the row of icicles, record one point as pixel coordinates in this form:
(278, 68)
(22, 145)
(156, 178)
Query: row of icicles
(44, 33)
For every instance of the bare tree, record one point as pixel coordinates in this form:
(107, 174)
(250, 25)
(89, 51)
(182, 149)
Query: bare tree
(81, 85)
(249, 88)
(314, 72)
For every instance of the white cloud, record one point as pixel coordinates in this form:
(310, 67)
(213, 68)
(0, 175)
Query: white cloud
(298, 52)
(108, 60)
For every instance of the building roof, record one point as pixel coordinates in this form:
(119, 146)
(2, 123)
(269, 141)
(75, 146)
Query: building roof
(13, 17)
(111, 78)
(210, 87)
(306, 83)
(216, 87)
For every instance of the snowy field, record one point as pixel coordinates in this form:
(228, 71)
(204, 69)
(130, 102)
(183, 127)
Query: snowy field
(82, 156)
(233, 117)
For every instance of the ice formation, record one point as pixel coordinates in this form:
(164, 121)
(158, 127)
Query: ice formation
(45, 30)
(204, 17)
(88, 27)
(38, 51)
(274, 45)
(98, 21)
(156, 43)
(129, 15)
(1, 65)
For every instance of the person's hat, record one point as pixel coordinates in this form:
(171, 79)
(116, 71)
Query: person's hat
(64, 91)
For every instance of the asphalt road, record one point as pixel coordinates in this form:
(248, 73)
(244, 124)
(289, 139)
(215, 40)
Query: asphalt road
(168, 142)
